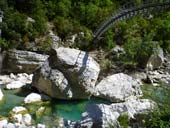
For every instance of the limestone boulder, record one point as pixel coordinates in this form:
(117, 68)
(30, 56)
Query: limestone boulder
(52, 82)
(156, 59)
(67, 74)
(118, 87)
(80, 69)
(104, 116)
(35, 97)
(18, 61)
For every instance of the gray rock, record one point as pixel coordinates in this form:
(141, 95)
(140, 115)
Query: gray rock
(141, 76)
(55, 40)
(3, 123)
(17, 61)
(18, 109)
(98, 116)
(118, 88)
(15, 85)
(79, 68)
(27, 119)
(10, 125)
(156, 76)
(156, 59)
(52, 82)
(69, 74)
(33, 97)
(134, 107)
(104, 116)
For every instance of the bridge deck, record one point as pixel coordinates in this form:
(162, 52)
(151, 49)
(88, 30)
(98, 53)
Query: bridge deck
(128, 13)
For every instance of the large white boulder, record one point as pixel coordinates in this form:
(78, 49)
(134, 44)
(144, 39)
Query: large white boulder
(118, 87)
(67, 74)
(33, 97)
(3, 123)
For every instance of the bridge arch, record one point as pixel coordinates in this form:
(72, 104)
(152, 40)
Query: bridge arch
(128, 13)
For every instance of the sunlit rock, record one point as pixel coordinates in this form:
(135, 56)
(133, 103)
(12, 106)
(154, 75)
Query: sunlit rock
(118, 88)
(67, 74)
(18, 61)
(3, 123)
(33, 97)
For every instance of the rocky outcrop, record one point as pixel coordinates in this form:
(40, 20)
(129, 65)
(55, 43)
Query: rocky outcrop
(17, 61)
(104, 116)
(118, 88)
(67, 74)
(156, 59)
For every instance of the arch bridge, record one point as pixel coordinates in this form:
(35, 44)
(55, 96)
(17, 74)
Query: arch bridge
(129, 11)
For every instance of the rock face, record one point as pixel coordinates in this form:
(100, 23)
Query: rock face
(156, 59)
(52, 82)
(118, 88)
(104, 116)
(17, 61)
(67, 74)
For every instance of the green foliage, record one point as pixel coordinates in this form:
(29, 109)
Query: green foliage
(3, 44)
(76, 16)
(124, 120)
(140, 35)
(109, 40)
(106, 64)
(159, 118)
(45, 46)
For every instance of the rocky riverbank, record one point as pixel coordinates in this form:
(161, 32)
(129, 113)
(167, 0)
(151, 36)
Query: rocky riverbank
(71, 74)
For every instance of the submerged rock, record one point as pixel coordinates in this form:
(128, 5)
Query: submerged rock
(18, 61)
(118, 88)
(67, 74)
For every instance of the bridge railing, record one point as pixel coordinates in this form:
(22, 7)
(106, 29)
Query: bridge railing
(128, 13)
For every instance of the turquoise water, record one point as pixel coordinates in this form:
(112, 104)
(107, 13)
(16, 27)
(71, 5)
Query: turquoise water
(10, 100)
(70, 110)
(159, 94)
